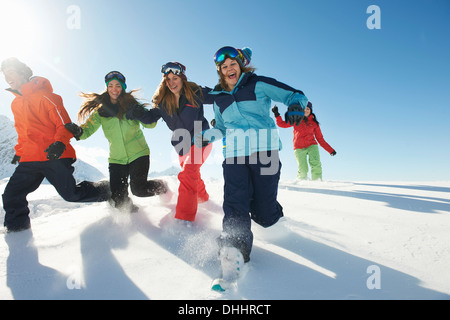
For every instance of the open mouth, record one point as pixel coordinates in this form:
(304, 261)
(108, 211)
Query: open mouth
(232, 76)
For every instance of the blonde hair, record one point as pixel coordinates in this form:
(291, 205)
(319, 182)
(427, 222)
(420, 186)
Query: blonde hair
(166, 99)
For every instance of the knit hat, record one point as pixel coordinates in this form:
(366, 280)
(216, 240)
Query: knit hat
(309, 105)
(246, 55)
(116, 75)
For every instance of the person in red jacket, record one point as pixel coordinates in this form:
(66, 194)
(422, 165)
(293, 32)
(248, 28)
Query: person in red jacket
(43, 148)
(306, 136)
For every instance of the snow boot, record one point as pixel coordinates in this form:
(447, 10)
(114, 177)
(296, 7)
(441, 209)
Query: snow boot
(232, 262)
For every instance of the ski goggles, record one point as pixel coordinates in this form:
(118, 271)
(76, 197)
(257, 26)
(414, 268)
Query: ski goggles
(174, 67)
(225, 52)
(115, 75)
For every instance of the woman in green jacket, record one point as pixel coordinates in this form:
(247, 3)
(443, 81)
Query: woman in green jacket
(129, 154)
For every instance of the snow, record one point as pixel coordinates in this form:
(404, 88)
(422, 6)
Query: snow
(338, 240)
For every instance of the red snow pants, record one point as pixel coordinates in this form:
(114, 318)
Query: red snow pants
(192, 188)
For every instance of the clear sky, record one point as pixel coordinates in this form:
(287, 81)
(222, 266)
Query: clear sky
(380, 95)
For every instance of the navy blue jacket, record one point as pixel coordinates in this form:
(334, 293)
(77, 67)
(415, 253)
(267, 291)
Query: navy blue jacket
(183, 123)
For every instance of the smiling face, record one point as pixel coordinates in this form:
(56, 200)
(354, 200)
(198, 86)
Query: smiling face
(307, 112)
(15, 79)
(231, 72)
(174, 83)
(114, 90)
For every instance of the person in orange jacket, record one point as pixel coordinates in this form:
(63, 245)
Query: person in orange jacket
(43, 148)
(306, 136)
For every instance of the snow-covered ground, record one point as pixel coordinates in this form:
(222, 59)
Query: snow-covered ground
(340, 240)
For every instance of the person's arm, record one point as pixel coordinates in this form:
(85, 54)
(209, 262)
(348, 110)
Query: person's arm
(319, 137)
(58, 116)
(280, 92)
(280, 122)
(91, 125)
(138, 112)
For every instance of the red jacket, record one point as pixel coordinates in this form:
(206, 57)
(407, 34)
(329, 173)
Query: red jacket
(306, 134)
(39, 117)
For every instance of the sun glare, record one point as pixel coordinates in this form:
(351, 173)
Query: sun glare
(19, 29)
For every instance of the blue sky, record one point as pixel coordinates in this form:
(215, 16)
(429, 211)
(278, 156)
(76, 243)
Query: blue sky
(380, 95)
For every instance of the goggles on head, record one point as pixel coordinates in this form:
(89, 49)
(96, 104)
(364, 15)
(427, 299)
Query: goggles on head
(115, 75)
(225, 52)
(174, 67)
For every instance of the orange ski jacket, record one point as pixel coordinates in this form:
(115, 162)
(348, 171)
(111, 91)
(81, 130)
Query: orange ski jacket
(39, 118)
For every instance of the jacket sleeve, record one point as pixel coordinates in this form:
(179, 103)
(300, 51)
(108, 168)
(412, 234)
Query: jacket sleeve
(150, 125)
(207, 98)
(20, 142)
(281, 92)
(91, 125)
(321, 140)
(282, 124)
(59, 116)
(151, 116)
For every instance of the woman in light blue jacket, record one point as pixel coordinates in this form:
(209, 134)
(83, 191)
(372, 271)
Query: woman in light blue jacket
(242, 108)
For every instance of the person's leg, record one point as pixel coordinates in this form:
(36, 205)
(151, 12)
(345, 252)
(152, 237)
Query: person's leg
(202, 194)
(118, 178)
(25, 179)
(265, 209)
(60, 174)
(140, 186)
(300, 156)
(236, 224)
(315, 163)
(186, 208)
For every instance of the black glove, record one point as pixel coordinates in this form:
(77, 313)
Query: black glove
(295, 114)
(74, 129)
(275, 111)
(15, 159)
(55, 150)
(135, 112)
(333, 153)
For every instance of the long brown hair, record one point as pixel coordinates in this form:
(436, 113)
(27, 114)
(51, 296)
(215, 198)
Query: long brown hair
(222, 81)
(168, 100)
(94, 101)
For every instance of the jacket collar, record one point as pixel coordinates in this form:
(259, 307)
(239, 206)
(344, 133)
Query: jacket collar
(15, 92)
(35, 84)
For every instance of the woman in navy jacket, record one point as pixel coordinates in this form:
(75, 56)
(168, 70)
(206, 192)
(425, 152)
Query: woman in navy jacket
(242, 104)
(179, 103)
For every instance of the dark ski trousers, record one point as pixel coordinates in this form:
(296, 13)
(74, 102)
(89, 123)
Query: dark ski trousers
(137, 171)
(249, 194)
(28, 176)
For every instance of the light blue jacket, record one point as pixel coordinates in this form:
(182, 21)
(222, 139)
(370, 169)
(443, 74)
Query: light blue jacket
(243, 116)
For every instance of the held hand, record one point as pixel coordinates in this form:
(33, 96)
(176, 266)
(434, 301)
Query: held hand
(295, 114)
(15, 159)
(333, 153)
(55, 150)
(275, 111)
(76, 130)
(135, 112)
